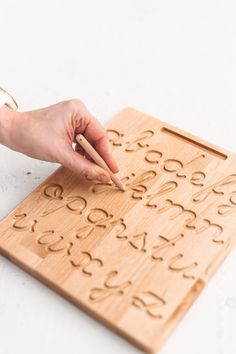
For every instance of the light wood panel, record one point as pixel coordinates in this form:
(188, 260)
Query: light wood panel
(135, 260)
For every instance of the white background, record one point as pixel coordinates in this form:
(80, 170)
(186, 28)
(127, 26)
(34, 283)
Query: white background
(172, 59)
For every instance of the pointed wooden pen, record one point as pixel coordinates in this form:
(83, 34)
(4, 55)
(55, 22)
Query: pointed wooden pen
(97, 158)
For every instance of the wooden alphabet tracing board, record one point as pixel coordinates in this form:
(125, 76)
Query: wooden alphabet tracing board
(135, 260)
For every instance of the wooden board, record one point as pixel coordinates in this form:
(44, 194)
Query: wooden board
(134, 260)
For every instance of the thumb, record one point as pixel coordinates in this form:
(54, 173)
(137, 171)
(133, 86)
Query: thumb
(82, 166)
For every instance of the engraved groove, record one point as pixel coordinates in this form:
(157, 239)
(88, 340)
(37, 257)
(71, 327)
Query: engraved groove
(194, 143)
(108, 290)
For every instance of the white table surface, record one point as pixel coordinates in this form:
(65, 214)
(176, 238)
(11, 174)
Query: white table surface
(172, 59)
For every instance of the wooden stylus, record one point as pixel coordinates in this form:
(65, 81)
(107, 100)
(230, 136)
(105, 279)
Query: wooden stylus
(97, 158)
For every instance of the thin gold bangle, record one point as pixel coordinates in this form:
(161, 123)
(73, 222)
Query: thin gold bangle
(6, 98)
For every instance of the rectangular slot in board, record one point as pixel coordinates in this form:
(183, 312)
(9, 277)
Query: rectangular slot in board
(201, 146)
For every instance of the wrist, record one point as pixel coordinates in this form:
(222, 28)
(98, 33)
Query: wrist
(7, 122)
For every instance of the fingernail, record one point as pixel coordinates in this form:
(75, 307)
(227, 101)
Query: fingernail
(89, 177)
(103, 178)
(117, 168)
(90, 174)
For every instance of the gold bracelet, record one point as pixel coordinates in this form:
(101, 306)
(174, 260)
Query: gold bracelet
(6, 98)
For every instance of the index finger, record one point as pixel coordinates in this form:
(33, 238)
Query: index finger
(96, 134)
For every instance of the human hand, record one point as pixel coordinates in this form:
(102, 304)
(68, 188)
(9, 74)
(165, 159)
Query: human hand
(47, 134)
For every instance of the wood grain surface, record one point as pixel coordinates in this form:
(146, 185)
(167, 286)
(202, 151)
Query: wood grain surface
(135, 260)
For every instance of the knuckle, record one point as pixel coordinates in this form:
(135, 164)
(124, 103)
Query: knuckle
(88, 173)
(75, 104)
